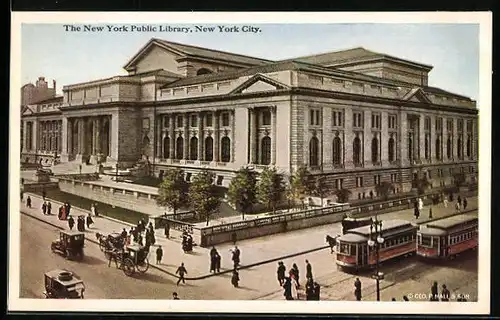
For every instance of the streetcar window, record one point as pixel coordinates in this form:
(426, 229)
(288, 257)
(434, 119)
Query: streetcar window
(426, 241)
(435, 242)
(345, 248)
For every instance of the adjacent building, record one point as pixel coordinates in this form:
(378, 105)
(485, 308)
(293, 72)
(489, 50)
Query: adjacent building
(356, 117)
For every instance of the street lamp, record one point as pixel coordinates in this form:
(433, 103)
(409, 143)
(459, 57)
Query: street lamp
(376, 229)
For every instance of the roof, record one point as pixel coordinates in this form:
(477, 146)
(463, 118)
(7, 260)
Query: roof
(430, 231)
(160, 71)
(450, 222)
(56, 99)
(387, 226)
(54, 274)
(444, 92)
(352, 237)
(351, 55)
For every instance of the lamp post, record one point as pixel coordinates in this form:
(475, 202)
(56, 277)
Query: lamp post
(376, 230)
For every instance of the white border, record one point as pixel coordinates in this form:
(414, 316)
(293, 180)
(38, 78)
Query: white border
(321, 307)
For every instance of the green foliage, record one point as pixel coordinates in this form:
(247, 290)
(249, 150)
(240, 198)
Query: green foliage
(204, 196)
(459, 179)
(300, 185)
(384, 189)
(421, 184)
(320, 187)
(173, 191)
(242, 190)
(270, 188)
(343, 195)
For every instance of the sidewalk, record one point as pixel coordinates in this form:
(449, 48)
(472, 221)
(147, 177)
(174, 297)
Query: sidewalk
(253, 251)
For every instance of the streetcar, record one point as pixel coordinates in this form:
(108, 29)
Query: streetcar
(398, 238)
(448, 237)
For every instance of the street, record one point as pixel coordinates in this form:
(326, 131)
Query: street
(411, 276)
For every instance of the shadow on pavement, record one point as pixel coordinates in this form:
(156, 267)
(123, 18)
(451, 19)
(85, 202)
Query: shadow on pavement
(246, 288)
(91, 260)
(154, 278)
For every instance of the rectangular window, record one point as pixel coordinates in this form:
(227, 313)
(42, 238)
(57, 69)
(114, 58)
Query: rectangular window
(439, 124)
(225, 119)
(194, 120)
(166, 122)
(460, 125)
(315, 117)
(449, 125)
(359, 182)
(338, 118)
(469, 125)
(209, 120)
(266, 118)
(427, 124)
(376, 124)
(392, 121)
(357, 119)
(179, 121)
(376, 179)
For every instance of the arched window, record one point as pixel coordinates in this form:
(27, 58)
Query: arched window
(337, 151)
(459, 148)
(265, 147)
(356, 151)
(166, 148)
(469, 146)
(313, 152)
(426, 147)
(448, 148)
(391, 149)
(225, 149)
(438, 149)
(410, 148)
(203, 71)
(374, 150)
(179, 148)
(193, 148)
(209, 149)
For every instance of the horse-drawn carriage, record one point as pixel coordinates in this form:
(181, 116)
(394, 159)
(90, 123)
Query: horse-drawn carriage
(129, 259)
(70, 244)
(111, 241)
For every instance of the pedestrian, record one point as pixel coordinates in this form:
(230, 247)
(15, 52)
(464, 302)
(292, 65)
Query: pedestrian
(28, 202)
(167, 230)
(309, 273)
(457, 206)
(236, 257)
(213, 253)
(71, 222)
(92, 209)
(459, 200)
(89, 221)
(310, 289)
(217, 262)
(357, 289)
(233, 238)
(96, 210)
(49, 208)
(44, 207)
(316, 291)
(124, 234)
(159, 255)
(235, 278)
(465, 203)
(140, 239)
(416, 213)
(434, 292)
(175, 296)
(44, 194)
(151, 228)
(67, 209)
(281, 273)
(296, 273)
(288, 289)
(181, 270)
(393, 299)
(295, 286)
(420, 204)
(405, 298)
(430, 212)
(445, 294)
(451, 197)
(445, 203)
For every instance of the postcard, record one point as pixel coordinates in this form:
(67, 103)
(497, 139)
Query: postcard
(250, 162)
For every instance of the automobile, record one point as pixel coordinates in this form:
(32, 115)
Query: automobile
(63, 284)
(70, 244)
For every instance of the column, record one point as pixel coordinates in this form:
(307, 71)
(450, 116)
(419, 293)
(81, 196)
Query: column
(159, 136)
(216, 136)
(433, 137)
(201, 141)
(24, 137)
(421, 137)
(81, 157)
(273, 135)
(327, 140)
(93, 151)
(384, 139)
(65, 139)
(402, 145)
(455, 140)
(367, 139)
(98, 138)
(348, 139)
(171, 135)
(253, 135)
(444, 143)
(186, 137)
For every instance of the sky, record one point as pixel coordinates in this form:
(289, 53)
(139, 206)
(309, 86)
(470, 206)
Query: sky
(70, 57)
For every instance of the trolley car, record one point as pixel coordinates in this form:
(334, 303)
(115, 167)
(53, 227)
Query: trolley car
(447, 237)
(398, 239)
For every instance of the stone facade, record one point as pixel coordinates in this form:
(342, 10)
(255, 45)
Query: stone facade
(196, 108)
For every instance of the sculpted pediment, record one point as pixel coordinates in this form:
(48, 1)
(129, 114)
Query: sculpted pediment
(417, 95)
(259, 83)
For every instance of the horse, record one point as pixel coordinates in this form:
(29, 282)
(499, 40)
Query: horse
(331, 241)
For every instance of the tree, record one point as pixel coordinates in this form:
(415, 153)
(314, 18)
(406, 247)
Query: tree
(459, 180)
(173, 191)
(384, 189)
(242, 191)
(421, 184)
(299, 185)
(269, 188)
(320, 188)
(204, 196)
(343, 195)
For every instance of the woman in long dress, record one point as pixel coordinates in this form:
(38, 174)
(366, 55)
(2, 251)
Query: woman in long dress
(295, 292)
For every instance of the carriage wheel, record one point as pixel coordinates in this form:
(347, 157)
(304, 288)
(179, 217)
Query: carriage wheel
(143, 267)
(128, 267)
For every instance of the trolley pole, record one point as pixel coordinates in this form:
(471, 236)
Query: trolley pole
(376, 228)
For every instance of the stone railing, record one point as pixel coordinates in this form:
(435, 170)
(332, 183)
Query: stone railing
(79, 176)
